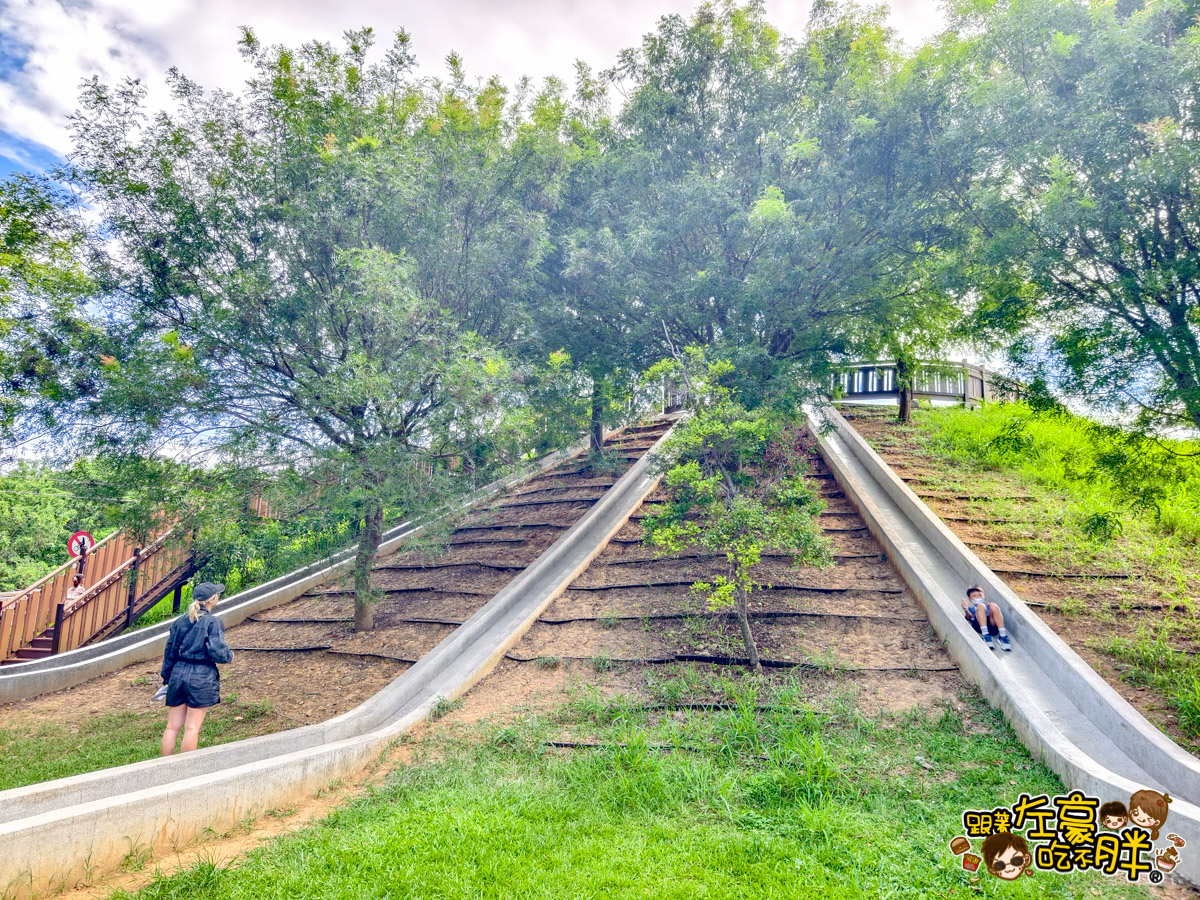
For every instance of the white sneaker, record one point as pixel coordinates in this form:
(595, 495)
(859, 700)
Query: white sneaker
(160, 694)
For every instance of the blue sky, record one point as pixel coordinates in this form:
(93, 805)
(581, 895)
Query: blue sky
(48, 47)
(17, 153)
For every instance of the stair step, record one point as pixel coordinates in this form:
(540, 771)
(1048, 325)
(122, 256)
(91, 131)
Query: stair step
(43, 642)
(33, 652)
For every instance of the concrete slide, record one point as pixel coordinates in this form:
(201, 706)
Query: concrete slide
(20, 681)
(1064, 712)
(51, 833)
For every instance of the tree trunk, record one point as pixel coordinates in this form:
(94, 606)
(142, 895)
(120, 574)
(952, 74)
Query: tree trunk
(747, 636)
(904, 391)
(597, 425)
(368, 543)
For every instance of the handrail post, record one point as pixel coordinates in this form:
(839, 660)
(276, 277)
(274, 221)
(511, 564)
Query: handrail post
(56, 644)
(133, 574)
(177, 598)
(83, 558)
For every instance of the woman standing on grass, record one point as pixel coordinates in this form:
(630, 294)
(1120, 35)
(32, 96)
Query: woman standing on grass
(189, 670)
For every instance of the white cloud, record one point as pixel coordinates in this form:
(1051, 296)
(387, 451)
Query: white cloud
(68, 41)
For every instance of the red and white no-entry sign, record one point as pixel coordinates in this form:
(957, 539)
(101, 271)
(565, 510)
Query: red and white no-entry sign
(81, 542)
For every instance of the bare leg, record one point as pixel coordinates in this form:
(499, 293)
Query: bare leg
(191, 728)
(997, 616)
(981, 617)
(175, 719)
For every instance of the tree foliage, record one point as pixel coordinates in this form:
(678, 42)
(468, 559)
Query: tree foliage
(382, 285)
(1081, 124)
(283, 302)
(39, 510)
(43, 285)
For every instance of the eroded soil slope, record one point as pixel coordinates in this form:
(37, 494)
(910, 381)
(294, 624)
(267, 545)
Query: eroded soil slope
(630, 622)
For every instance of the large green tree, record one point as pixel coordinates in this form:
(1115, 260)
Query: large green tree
(309, 272)
(1080, 123)
(590, 299)
(44, 284)
(774, 199)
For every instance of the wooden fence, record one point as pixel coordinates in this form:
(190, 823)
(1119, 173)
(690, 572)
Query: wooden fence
(79, 603)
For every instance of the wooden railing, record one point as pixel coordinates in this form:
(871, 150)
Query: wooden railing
(963, 383)
(75, 605)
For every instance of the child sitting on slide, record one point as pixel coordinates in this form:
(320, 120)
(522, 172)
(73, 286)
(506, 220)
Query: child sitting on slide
(982, 614)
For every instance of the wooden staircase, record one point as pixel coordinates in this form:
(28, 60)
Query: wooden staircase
(93, 598)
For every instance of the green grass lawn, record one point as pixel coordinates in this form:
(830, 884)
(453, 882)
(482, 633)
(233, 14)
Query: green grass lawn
(39, 752)
(1116, 481)
(789, 801)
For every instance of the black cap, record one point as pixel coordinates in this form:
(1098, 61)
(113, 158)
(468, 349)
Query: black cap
(206, 590)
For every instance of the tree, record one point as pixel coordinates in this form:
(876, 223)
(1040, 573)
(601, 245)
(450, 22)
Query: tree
(587, 297)
(43, 284)
(1082, 122)
(775, 198)
(738, 487)
(269, 317)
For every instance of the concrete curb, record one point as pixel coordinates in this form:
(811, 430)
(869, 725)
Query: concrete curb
(93, 821)
(1104, 729)
(20, 681)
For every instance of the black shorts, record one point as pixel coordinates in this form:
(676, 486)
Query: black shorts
(194, 684)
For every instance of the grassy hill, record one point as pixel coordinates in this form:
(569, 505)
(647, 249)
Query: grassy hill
(1097, 530)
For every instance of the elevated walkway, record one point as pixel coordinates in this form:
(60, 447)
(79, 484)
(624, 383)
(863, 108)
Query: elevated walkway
(94, 597)
(938, 383)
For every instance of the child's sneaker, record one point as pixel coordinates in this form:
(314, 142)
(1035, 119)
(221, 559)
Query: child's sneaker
(160, 694)
(1004, 644)
(987, 639)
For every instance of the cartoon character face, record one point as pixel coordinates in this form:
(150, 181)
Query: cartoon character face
(1007, 855)
(1113, 815)
(1140, 817)
(1148, 809)
(1010, 864)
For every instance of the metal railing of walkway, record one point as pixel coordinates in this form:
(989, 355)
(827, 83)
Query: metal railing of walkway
(947, 382)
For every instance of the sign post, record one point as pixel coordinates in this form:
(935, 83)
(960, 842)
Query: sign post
(79, 546)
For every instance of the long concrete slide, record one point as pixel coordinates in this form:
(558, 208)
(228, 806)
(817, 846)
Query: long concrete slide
(55, 832)
(20, 681)
(1060, 708)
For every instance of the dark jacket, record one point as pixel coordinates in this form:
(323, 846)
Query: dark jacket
(201, 642)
